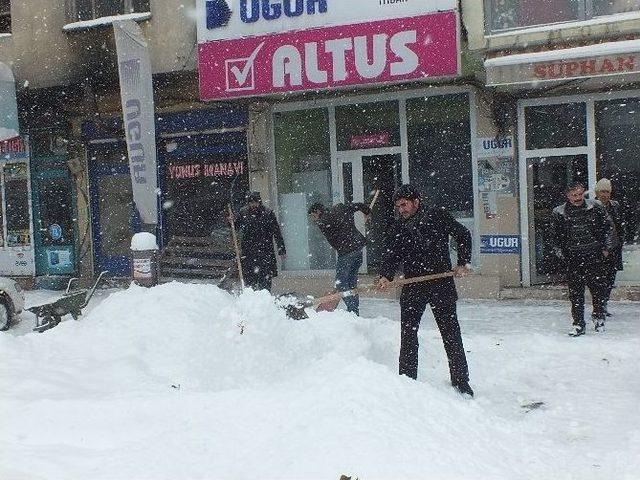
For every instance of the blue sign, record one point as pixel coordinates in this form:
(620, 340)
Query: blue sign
(252, 10)
(55, 231)
(218, 13)
(503, 244)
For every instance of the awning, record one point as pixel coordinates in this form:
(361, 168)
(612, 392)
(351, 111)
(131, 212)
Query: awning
(592, 61)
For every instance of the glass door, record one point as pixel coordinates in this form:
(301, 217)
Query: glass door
(361, 175)
(547, 179)
(113, 216)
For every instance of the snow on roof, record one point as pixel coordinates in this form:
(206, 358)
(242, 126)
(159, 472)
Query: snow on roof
(606, 48)
(97, 22)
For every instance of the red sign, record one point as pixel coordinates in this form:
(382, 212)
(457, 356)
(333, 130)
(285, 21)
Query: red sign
(195, 170)
(371, 140)
(15, 145)
(586, 67)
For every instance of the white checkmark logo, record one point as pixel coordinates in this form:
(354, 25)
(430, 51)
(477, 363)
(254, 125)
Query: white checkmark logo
(241, 74)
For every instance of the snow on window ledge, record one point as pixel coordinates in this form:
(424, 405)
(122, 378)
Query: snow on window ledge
(5, 35)
(102, 21)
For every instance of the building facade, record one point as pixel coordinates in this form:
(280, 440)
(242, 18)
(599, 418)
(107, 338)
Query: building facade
(488, 106)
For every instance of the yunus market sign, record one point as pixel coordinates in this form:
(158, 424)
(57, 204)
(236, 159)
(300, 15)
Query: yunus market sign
(264, 47)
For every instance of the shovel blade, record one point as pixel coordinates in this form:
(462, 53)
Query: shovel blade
(328, 306)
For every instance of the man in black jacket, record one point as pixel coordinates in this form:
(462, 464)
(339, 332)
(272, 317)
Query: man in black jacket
(338, 226)
(259, 227)
(583, 237)
(614, 260)
(419, 242)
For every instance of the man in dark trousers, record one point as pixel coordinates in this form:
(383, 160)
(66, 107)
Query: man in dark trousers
(583, 237)
(614, 260)
(259, 228)
(419, 241)
(338, 226)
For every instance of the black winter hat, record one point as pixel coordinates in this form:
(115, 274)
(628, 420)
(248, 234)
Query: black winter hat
(407, 192)
(254, 197)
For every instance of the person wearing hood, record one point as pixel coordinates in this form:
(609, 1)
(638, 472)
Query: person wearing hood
(583, 238)
(614, 260)
(419, 242)
(259, 228)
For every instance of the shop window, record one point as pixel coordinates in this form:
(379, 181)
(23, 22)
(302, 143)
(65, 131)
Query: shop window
(303, 164)
(439, 134)
(505, 15)
(556, 126)
(82, 10)
(56, 208)
(610, 7)
(5, 16)
(618, 154)
(16, 196)
(368, 125)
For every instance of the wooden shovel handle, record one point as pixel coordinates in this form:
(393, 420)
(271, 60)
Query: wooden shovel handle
(395, 283)
(236, 247)
(375, 198)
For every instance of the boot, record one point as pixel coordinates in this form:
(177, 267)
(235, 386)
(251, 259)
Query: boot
(598, 322)
(463, 388)
(577, 330)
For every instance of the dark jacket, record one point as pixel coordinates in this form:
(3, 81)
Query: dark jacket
(421, 245)
(340, 230)
(615, 213)
(582, 232)
(258, 229)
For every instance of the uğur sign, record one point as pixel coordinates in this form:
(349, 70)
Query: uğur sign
(264, 47)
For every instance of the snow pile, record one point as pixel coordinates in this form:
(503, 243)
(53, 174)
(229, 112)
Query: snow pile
(143, 241)
(188, 381)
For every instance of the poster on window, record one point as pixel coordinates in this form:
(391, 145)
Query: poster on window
(17, 252)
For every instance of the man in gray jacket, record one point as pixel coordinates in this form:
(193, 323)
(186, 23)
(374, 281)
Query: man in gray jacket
(338, 226)
(583, 237)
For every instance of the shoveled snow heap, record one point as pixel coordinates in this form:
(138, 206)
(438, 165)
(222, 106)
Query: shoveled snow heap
(189, 382)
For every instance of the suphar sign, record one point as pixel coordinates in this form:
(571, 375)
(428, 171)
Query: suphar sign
(274, 46)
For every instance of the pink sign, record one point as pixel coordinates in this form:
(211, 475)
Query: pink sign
(371, 140)
(385, 51)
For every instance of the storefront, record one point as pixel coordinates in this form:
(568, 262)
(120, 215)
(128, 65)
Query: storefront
(343, 150)
(577, 138)
(16, 236)
(581, 137)
(202, 166)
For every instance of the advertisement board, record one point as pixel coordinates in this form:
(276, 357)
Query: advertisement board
(270, 47)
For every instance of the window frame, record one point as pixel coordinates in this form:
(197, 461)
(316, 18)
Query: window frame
(6, 14)
(586, 13)
(128, 8)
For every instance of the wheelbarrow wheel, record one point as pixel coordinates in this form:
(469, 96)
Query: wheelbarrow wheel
(5, 316)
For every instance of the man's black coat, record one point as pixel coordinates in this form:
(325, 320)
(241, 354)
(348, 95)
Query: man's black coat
(259, 227)
(421, 245)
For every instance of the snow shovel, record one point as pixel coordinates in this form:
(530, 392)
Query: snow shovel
(236, 246)
(328, 303)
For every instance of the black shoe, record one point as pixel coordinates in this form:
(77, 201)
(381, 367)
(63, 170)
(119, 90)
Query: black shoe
(608, 314)
(463, 388)
(577, 330)
(598, 324)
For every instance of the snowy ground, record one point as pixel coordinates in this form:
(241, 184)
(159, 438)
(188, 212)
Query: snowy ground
(161, 384)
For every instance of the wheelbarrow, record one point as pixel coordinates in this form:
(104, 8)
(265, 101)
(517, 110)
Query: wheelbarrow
(50, 314)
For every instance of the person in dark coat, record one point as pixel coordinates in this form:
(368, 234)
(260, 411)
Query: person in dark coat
(339, 228)
(614, 261)
(583, 238)
(258, 229)
(419, 242)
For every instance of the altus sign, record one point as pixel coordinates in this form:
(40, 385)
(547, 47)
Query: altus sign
(276, 46)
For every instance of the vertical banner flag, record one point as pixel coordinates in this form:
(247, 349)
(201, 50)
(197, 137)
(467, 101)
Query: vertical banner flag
(8, 105)
(136, 94)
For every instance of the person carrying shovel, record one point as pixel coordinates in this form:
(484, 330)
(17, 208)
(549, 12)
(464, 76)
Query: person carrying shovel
(339, 228)
(419, 241)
